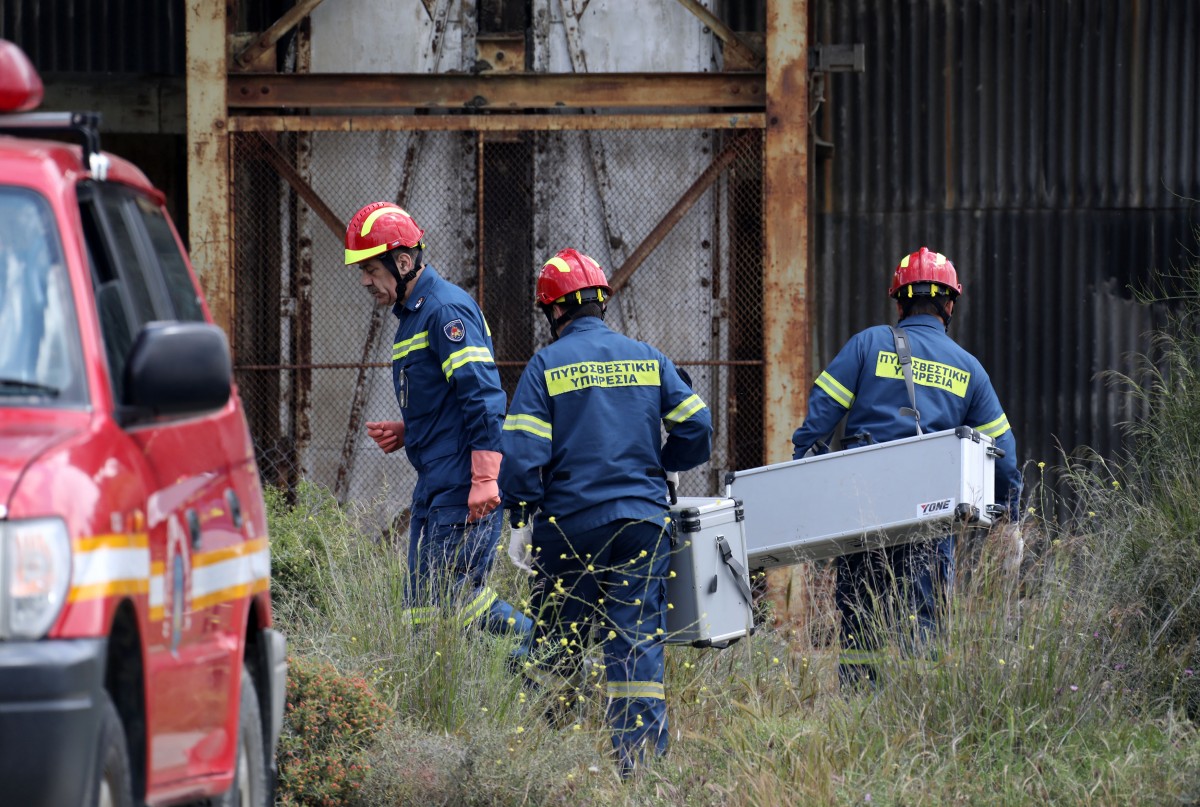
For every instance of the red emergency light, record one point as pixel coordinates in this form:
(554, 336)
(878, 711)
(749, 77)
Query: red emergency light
(20, 85)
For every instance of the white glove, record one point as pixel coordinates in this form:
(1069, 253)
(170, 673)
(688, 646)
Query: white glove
(520, 547)
(673, 486)
(1012, 549)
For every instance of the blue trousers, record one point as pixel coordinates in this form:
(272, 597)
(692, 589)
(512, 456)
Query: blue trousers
(609, 583)
(898, 591)
(449, 556)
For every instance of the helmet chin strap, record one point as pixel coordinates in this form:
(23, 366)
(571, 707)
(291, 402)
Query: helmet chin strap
(402, 281)
(939, 304)
(556, 325)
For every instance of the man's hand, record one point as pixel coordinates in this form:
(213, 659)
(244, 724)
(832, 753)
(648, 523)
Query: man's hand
(673, 486)
(485, 493)
(387, 434)
(520, 547)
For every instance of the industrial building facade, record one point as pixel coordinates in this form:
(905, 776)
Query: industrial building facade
(748, 173)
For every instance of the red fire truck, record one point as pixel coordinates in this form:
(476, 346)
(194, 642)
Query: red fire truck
(138, 663)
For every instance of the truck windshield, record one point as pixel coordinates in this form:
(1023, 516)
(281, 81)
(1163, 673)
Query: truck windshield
(40, 355)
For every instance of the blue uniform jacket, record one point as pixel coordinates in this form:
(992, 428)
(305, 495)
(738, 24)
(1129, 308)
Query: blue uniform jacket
(447, 386)
(951, 387)
(583, 441)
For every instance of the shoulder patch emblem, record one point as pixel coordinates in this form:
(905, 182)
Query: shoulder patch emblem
(454, 330)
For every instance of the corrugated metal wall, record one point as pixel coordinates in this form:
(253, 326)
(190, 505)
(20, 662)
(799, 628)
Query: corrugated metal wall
(116, 36)
(102, 36)
(1049, 148)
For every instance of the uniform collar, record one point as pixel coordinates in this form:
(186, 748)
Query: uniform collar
(924, 320)
(421, 290)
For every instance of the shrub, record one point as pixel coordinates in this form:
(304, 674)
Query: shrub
(305, 544)
(330, 724)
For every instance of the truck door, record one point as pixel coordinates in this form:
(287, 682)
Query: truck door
(195, 625)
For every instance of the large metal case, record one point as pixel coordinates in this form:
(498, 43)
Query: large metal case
(709, 592)
(868, 497)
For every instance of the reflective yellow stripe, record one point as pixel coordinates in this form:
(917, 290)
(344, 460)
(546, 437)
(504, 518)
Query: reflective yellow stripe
(360, 255)
(465, 356)
(926, 373)
(559, 264)
(479, 606)
(135, 540)
(113, 588)
(835, 390)
(619, 373)
(402, 349)
(369, 221)
(419, 616)
(685, 410)
(528, 423)
(996, 428)
(636, 689)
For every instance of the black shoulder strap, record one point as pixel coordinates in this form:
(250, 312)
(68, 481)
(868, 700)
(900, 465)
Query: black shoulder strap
(904, 354)
(739, 572)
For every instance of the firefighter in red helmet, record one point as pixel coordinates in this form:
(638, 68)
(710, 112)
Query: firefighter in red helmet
(452, 409)
(865, 386)
(585, 484)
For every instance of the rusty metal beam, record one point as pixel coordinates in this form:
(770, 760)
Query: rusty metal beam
(677, 212)
(284, 168)
(208, 178)
(746, 53)
(510, 91)
(290, 19)
(494, 123)
(786, 301)
(502, 122)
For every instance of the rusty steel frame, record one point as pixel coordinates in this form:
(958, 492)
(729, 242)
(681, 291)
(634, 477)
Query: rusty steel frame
(676, 213)
(220, 102)
(787, 302)
(479, 245)
(503, 122)
(284, 168)
(505, 91)
(723, 32)
(290, 19)
(301, 286)
(208, 164)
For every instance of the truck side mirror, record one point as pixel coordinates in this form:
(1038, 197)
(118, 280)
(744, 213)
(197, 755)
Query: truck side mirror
(176, 369)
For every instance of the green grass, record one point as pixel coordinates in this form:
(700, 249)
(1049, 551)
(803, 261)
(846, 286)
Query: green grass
(1022, 703)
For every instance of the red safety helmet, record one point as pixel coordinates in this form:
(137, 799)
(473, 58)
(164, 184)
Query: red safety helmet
(569, 273)
(379, 228)
(924, 266)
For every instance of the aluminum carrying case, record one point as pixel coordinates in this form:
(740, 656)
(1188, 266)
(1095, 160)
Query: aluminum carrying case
(868, 497)
(710, 591)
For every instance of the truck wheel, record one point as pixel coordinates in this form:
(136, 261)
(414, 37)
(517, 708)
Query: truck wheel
(113, 786)
(249, 788)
